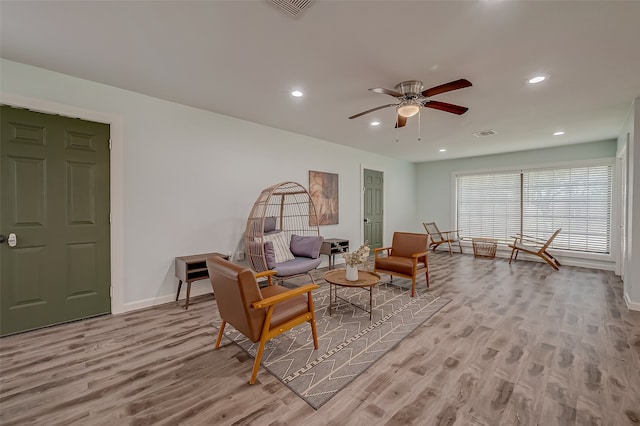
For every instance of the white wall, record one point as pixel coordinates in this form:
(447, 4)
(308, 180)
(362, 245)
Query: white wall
(184, 179)
(632, 268)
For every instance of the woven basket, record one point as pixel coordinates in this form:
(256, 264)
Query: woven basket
(484, 247)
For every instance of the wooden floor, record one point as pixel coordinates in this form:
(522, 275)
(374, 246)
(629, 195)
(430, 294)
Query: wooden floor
(518, 345)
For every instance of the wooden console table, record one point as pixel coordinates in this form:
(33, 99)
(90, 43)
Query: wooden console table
(193, 268)
(333, 246)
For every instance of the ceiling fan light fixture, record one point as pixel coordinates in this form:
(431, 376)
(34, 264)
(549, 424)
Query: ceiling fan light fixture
(408, 110)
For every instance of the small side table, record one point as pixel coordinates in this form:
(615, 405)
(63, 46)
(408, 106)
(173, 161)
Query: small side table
(193, 268)
(338, 277)
(333, 246)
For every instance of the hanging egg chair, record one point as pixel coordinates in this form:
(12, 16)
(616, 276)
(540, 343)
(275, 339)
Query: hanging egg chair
(282, 231)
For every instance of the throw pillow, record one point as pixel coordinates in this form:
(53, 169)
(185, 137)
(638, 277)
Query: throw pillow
(269, 255)
(306, 246)
(280, 247)
(270, 224)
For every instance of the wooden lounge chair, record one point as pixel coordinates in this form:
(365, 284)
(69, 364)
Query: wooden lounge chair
(441, 237)
(534, 246)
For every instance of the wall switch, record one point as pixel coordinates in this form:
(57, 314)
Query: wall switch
(240, 255)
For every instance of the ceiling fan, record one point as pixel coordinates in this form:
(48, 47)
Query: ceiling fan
(412, 96)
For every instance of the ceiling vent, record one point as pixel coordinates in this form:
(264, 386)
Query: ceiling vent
(293, 7)
(484, 133)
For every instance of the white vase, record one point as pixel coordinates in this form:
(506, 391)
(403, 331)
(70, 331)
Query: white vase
(352, 273)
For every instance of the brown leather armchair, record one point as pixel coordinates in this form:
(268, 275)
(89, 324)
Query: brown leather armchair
(407, 257)
(259, 313)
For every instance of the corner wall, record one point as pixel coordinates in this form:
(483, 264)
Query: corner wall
(632, 268)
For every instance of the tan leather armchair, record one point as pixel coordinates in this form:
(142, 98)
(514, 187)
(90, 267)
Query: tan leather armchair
(259, 313)
(407, 257)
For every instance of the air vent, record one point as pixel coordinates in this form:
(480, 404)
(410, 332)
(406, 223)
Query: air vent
(294, 7)
(484, 133)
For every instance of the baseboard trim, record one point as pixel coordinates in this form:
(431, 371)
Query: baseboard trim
(503, 253)
(633, 306)
(196, 290)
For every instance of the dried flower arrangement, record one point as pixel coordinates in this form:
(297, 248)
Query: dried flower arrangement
(358, 257)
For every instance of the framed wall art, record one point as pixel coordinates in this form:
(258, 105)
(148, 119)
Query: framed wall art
(323, 188)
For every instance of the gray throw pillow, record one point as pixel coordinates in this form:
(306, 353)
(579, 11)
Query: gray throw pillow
(270, 254)
(306, 246)
(270, 224)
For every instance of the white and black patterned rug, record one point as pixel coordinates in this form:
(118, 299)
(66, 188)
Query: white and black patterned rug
(348, 341)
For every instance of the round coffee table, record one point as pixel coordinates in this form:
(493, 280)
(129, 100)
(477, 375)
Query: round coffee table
(338, 277)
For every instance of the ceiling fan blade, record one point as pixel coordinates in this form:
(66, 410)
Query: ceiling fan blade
(371, 110)
(401, 121)
(447, 87)
(387, 92)
(443, 106)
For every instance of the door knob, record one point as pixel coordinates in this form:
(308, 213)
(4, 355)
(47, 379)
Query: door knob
(12, 239)
(366, 220)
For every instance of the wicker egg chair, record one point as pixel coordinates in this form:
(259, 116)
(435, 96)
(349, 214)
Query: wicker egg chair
(286, 211)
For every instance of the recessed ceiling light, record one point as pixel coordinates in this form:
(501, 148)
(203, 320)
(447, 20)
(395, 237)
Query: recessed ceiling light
(375, 123)
(537, 79)
(296, 93)
(443, 150)
(560, 133)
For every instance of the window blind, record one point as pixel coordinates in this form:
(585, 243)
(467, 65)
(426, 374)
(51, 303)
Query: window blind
(536, 202)
(488, 205)
(577, 199)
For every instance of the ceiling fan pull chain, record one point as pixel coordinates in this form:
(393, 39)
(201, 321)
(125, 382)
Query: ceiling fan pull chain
(397, 139)
(419, 128)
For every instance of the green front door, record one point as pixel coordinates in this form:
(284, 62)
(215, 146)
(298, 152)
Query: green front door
(373, 207)
(54, 180)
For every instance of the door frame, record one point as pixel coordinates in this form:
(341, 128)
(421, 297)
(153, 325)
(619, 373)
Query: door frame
(384, 201)
(116, 179)
(620, 205)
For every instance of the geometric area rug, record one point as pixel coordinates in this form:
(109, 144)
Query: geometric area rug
(348, 342)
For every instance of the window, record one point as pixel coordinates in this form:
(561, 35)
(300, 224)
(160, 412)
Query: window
(536, 202)
(489, 205)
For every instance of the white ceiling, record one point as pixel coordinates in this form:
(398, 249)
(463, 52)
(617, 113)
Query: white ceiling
(243, 58)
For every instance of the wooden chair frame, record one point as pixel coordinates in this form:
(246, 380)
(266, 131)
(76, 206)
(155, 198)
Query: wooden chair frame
(269, 331)
(536, 247)
(441, 237)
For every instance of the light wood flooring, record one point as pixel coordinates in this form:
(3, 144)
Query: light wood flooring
(519, 344)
